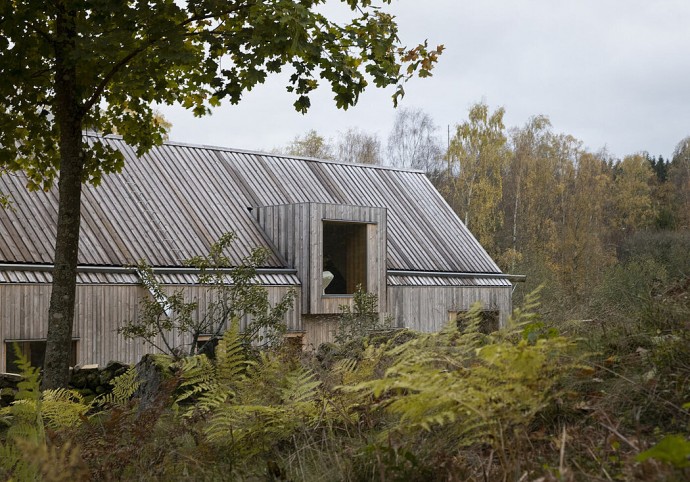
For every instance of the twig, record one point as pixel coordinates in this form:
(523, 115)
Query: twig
(596, 459)
(561, 465)
(619, 435)
(589, 476)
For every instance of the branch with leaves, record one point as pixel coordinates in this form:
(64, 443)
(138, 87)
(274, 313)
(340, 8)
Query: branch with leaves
(232, 293)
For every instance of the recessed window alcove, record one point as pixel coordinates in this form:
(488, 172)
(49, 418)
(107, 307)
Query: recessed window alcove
(344, 257)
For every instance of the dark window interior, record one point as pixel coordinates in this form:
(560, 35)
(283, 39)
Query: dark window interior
(35, 350)
(345, 256)
(487, 324)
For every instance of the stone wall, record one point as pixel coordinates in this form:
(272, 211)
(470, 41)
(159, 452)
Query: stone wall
(90, 381)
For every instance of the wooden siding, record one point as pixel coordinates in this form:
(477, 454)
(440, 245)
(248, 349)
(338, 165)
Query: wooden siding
(100, 310)
(319, 329)
(296, 231)
(426, 308)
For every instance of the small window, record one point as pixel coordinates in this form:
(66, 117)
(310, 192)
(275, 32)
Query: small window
(488, 323)
(35, 350)
(344, 257)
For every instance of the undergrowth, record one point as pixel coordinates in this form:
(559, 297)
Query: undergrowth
(522, 403)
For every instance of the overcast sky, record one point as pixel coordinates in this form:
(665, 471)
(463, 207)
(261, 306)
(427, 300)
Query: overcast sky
(613, 73)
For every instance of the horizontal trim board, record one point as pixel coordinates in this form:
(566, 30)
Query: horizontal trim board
(131, 278)
(519, 278)
(347, 221)
(24, 340)
(132, 270)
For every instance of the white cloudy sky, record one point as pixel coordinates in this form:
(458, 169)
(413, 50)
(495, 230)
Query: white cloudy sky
(613, 73)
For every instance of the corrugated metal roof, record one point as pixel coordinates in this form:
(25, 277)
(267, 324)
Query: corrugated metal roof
(173, 202)
(394, 280)
(30, 277)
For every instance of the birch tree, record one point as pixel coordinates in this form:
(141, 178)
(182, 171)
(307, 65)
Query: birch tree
(477, 157)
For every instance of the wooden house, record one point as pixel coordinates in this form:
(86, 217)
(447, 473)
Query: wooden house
(388, 229)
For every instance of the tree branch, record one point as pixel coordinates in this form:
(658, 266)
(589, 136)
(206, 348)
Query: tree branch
(100, 88)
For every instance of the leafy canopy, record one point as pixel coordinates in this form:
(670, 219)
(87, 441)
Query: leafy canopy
(131, 55)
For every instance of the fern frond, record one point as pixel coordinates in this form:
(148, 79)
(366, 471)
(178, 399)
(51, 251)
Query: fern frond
(213, 397)
(124, 387)
(30, 386)
(301, 386)
(231, 360)
(63, 408)
(14, 466)
(198, 375)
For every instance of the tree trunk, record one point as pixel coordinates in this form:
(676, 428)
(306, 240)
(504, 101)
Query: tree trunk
(68, 117)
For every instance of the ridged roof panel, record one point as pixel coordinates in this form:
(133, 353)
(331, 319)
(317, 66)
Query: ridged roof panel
(173, 202)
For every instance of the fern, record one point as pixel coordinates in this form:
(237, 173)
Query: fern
(301, 386)
(24, 415)
(270, 405)
(63, 408)
(13, 464)
(197, 375)
(124, 387)
(211, 384)
(482, 388)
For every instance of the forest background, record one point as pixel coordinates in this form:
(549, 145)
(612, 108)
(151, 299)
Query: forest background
(542, 204)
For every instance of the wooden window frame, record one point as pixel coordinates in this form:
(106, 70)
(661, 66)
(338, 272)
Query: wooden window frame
(352, 267)
(25, 345)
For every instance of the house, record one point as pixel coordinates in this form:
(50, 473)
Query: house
(388, 229)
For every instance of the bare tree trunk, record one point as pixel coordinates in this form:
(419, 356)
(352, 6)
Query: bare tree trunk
(515, 220)
(68, 117)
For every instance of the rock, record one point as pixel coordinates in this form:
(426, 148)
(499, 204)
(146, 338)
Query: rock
(151, 375)
(7, 396)
(78, 379)
(9, 380)
(104, 377)
(116, 368)
(92, 379)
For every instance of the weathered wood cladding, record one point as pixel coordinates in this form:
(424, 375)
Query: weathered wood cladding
(100, 310)
(173, 202)
(296, 231)
(425, 308)
(318, 329)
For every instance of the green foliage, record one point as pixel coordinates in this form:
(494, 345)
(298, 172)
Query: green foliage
(25, 415)
(361, 318)
(672, 449)
(257, 424)
(124, 387)
(212, 383)
(27, 453)
(250, 405)
(130, 56)
(481, 388)
(232, 293)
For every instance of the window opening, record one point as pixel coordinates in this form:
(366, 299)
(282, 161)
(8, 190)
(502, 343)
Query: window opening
(344, 257)
(35, 350)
